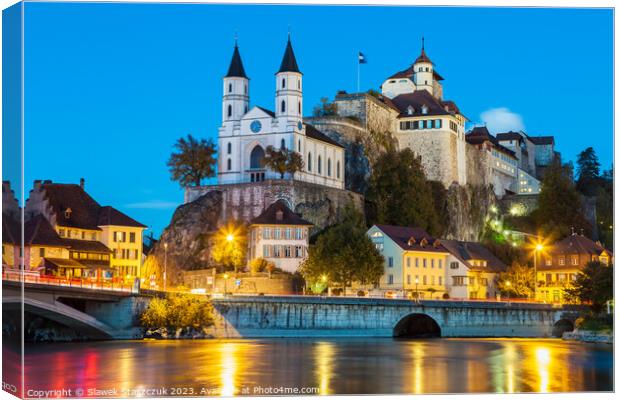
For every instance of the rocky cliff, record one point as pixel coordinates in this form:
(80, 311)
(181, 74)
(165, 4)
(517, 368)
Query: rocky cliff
(467, 208)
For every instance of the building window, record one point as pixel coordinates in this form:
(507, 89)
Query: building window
(424, 279)
(266, 233)
(283, 83)
(408, 279)
(408, 261)
(288, 233)
(338, 169)
(329, 167)
(42, 252)
(390, 262)
(276, 251)
(132, 237)
(229, 164)
(229, 149)
(299, 107)
(309, 162)
(417, 262)
(574, 260)
(424, 262)
(299, 252)
(440, 264)
(432, 263)
(283, 144)
(439, 283)
(561, 261)
(276, 233)
(230, 88)
(299, 84)
(299, 145)
(283, 106)
(298, 234)
(287, 251)
(266, 250)
(318, 165)
(390, 279)
(229, 111)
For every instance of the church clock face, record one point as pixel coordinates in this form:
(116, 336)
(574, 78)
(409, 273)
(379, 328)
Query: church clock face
(255, 126)
(299, 125)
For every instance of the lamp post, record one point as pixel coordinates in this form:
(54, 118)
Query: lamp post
(417, 295)
(538, 248)
(231, 238)
(165, 263)
(225, 282)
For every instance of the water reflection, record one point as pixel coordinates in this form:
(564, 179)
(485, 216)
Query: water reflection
(333, 366)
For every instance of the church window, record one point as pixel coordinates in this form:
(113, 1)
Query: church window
(283, 83)
(282, 144)
(229, 110)
(426, 69)
(329, 167)
(299, 84)
(299, 145)
(299, 107)
(229, 164)
(318, 165)
(426, 82)
(338, 169)
(309, 162)
(256, 157)
(229, 147)
(245, 109)
(420, 69)
(230, 88)
(283, 106)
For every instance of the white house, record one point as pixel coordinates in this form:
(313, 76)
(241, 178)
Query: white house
(280, 236)
(246, 131)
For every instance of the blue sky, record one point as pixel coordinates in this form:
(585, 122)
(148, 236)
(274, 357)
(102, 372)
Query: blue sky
(110, 87)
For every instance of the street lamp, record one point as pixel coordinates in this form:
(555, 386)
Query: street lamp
(508, 291)
(539, 247)
(230, 237)
(165, 263)
(225, 281)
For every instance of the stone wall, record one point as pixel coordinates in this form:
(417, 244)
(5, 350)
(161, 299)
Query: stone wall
(332, 316)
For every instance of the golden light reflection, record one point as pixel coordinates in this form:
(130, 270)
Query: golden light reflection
(418, 371)
(228, 374)
(543, 361)
(324, 361)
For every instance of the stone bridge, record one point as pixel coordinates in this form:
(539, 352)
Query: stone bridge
(299, 316)
(95, 314)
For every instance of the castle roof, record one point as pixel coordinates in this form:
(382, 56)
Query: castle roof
(278, 213)
(408, 72)
(510, 136)
(481, 134)
(468, 251)
(314, 133)
(418, 99)
(542, 139)
(236, 65)
(289, 62)
(412, 239)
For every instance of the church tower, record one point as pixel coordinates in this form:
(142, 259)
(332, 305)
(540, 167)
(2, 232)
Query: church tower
(289, 100)
(423, 72)
(236, 90)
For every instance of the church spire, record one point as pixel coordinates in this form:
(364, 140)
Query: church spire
(289, 63)
(236, 65)
(423, 57)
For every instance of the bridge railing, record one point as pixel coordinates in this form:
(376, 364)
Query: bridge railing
(29, 277)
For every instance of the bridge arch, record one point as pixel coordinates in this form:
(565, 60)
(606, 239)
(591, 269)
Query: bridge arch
(416, 325)
(62, 314)
(561, 326)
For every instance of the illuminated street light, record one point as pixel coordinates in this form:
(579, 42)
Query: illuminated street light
(324, 278)
(225, 282)
(230, 237)
(165, 263)
(538, 248)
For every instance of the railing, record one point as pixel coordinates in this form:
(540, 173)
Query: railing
(82, 283)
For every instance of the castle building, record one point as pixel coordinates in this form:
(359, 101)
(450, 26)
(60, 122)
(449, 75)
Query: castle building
(280, 236)
(246, 131)
(431, 127)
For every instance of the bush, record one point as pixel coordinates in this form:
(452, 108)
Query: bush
(595, 324)
(178, 311)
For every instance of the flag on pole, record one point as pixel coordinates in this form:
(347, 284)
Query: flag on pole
(361, 58)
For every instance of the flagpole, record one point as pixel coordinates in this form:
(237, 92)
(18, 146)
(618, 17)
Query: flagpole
(358, 73)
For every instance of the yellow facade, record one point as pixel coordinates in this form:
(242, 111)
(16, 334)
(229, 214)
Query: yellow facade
(551, 283)
(36, 253)
(126, 245)
(429, 269)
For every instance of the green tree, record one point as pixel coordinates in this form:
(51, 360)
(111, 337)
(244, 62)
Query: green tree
(325, 108)
(560, 206)
(400, 194)
(194, 161)
(517, 281)
(594, 285)
(343, 254)
(282, 161)
(588, 171)
(229, 246)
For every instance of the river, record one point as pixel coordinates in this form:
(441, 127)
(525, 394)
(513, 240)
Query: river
(326, 366)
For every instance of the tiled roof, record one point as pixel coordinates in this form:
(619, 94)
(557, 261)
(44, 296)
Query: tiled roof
(422, 57)
(289, 62)
(416, 100)
(480, 134)
(86, 245)
(542, 139)
(271, 113)
(278, 213)
(410, 239)
(466, 251)
(38, 231)
(314, 133)
(84, 209)
(236, 65)
(509, 136)
(577, 244)
(111, 216)
(408, 73)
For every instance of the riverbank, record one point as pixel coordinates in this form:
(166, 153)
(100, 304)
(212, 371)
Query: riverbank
(589, 336)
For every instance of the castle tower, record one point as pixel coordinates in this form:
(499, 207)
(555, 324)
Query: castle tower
(289, 99)
(236, 90)
(423, 72)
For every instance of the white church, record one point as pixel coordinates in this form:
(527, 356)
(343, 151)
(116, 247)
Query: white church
(246, 131)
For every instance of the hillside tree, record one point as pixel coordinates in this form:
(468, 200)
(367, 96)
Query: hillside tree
(194, 161)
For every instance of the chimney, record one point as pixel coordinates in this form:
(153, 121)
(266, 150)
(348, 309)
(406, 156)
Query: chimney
(82, 183)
